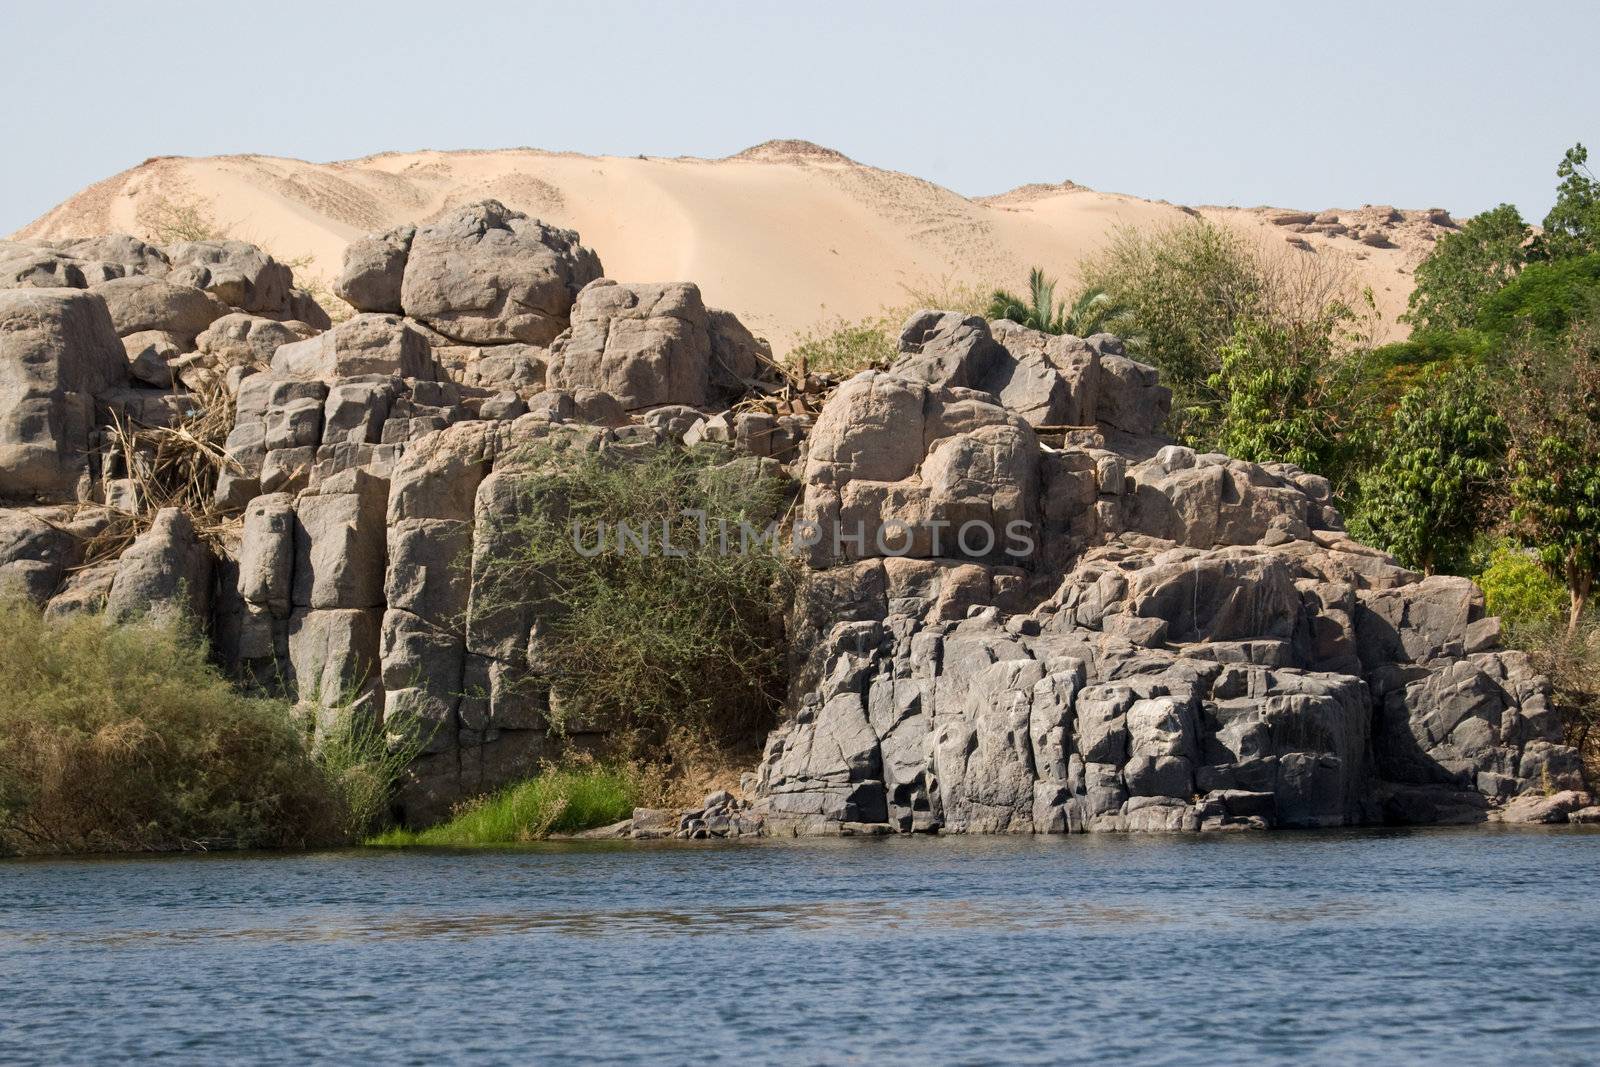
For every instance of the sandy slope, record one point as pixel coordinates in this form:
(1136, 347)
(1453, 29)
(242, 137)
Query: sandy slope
(787, 234)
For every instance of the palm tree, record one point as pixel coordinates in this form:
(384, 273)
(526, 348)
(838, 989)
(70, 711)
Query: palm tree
(1093, 311)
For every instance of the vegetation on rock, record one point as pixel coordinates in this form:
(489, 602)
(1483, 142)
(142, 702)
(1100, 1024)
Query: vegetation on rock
(121, 738)
(1092, 311)
(664, 594)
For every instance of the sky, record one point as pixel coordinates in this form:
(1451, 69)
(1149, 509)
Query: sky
(1457, 105)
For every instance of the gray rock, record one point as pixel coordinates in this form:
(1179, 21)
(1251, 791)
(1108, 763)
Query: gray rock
(58, 353)
(238, 274)
(487, 275)
(165, 573)
(647, 345)
(374, 268)
(365, 344)
(141, 303)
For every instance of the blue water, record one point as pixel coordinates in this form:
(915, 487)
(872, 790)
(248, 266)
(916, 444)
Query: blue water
(1445, 946)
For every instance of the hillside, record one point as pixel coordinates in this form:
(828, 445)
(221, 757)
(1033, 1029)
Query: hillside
(787, 234)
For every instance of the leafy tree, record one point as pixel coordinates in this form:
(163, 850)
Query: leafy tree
(1091, 312)
(1185, 290)
(1546, 298)
(1440, 458)
(1552, 396)
(1467, 266)
(1289, 393)
(1572, 228)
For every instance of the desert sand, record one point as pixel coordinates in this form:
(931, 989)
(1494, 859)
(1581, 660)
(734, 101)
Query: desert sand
(788, 235)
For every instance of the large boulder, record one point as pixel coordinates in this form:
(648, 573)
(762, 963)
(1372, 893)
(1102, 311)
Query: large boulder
(23, 267)
(374, 270)
(139, 303)
(365, 344)
(239, 274)
(647, 345)
(238, 338)
(36, 548)
(487, 275)
(898, 467)
(1049, 380)
(165, 572)
(58, 352)
(127, 254)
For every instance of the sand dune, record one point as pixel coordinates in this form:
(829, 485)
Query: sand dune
(787, 234)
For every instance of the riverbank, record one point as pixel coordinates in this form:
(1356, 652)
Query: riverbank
(1419, 945)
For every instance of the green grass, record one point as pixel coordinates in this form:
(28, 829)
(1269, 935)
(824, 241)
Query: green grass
(556, 802)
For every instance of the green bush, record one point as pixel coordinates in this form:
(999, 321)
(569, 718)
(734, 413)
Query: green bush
(1184, 293)
(842, 349)
(650, 642)
(1519, 590)
(1088, 313)
(1439, 462)
(125, 738)
(1545, 299)
(559, 801)
(1465, 268)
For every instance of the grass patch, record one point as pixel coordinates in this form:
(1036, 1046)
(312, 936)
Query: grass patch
(841, 349)
(559, 801)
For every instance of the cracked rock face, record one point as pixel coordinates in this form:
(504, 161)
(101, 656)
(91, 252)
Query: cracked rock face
(1194, 643)
(1146, 639)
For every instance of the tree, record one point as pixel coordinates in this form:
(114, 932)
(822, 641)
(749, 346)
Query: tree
(1466, 267)
(1572, 228)
(1289, 392)
(1552, 395)
(1091, 312)
(1185, 290)
(1440, 459)
(1545, 299)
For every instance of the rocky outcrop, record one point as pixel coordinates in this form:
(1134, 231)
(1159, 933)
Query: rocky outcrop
(654, 345)
(1020, 608)
(1173, 641)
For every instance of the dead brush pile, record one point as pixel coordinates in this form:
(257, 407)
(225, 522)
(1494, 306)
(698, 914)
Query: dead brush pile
(173, 466)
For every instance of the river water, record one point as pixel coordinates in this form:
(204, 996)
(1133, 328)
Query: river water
(1382, 946)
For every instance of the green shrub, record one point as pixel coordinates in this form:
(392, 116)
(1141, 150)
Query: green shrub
(648, 642)
(843, 349)
(362, 763)
(559, 801)
(1183, 294)
(1465, 268)
(1521, 591)
(1545, 299)
(125, 738)
(1090, 312)
(1440, 460)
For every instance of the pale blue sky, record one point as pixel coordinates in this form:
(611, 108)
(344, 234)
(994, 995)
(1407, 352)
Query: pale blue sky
(1310, 105)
